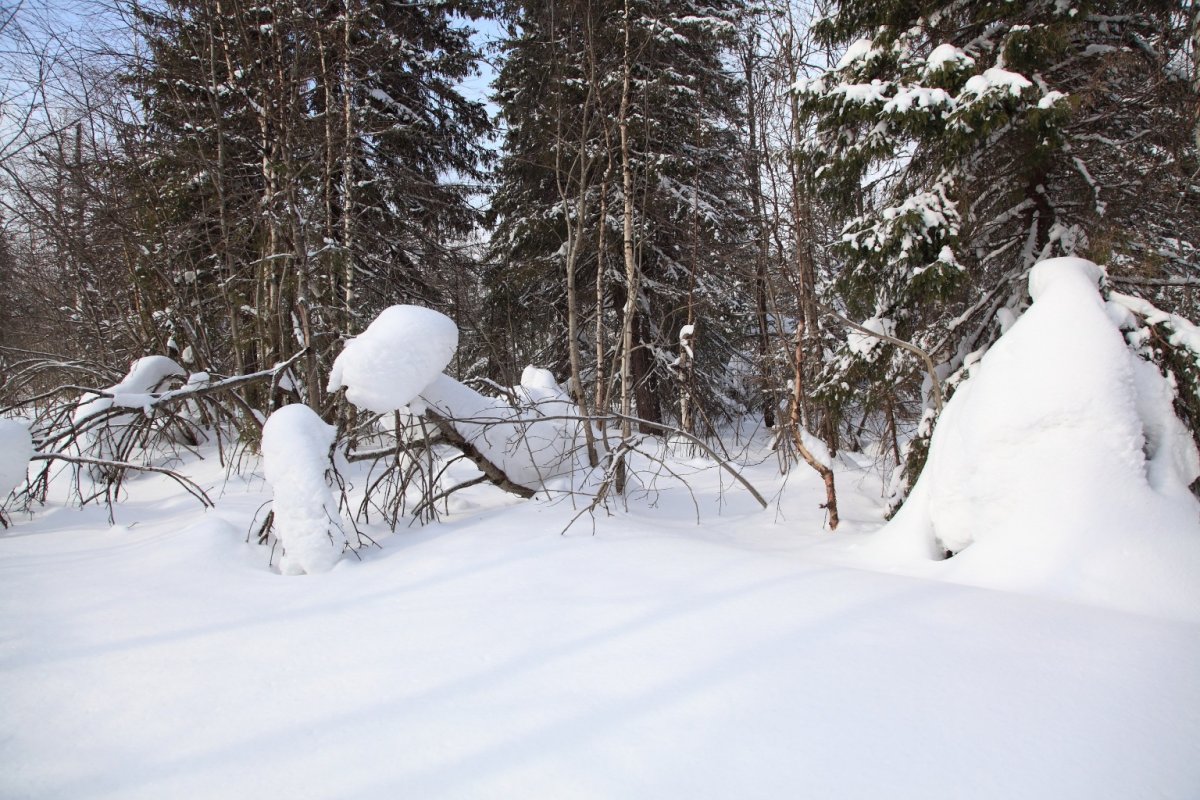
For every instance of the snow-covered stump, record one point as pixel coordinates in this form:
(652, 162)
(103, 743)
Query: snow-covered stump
(16, 448)
(296, 447)
(1059, 465)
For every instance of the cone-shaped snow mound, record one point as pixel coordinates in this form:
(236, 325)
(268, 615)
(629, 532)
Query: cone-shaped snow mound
(1059, 466)
(386, 366)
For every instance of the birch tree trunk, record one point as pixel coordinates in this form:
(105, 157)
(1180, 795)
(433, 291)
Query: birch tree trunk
(631, 269)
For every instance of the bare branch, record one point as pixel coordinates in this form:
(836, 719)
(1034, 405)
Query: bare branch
(189, 485)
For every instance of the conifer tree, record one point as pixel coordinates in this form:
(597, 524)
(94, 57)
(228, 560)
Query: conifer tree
(966, 141)
(560, 191)
(306, 165)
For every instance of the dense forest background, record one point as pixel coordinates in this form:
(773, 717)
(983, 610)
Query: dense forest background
(689, 211)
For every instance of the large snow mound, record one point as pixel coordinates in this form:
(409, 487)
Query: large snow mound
(386, 366)
(1059, 466)
(16, 447)
(295, 449)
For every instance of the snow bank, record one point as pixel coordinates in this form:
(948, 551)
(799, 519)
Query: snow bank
(1059, 467)
(295, 448)
(493, 658)
(16, 447)
(399, 354)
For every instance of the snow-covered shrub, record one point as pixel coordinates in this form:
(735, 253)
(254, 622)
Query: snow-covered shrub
(397, 362)
(1059, 463)
(111, 438)
(296, 445)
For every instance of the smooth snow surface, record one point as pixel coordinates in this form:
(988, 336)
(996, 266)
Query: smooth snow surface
(1059, 466)
(487, 656)
(295, 445)
(386, 366)
(16, 446)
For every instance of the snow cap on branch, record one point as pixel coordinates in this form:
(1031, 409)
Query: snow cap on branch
(386, 366)
(146, 376)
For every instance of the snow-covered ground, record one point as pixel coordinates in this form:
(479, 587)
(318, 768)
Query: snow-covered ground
(686, 644)
(486, 655)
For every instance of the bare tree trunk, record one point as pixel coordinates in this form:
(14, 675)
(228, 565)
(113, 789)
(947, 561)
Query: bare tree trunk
(687, 370)
(233, 303)
(762, 251)
(797, 425)
(347, 192)
(631, 268)
(1196, 69)
(575, 230)
(601, 394)
(807, 337)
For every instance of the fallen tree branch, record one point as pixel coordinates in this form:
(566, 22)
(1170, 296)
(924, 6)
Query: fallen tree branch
(1132, 281)
(493, 472)
(722, 463)
(429, 501)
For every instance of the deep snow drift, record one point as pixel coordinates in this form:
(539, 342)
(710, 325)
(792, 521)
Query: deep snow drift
(488, 656)
(1059, 466)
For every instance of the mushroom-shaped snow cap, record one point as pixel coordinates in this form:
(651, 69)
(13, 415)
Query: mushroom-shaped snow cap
(386, 366)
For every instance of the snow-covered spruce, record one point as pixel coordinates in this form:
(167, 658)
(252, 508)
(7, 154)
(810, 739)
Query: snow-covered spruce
(295, 447)
(1059, 466)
